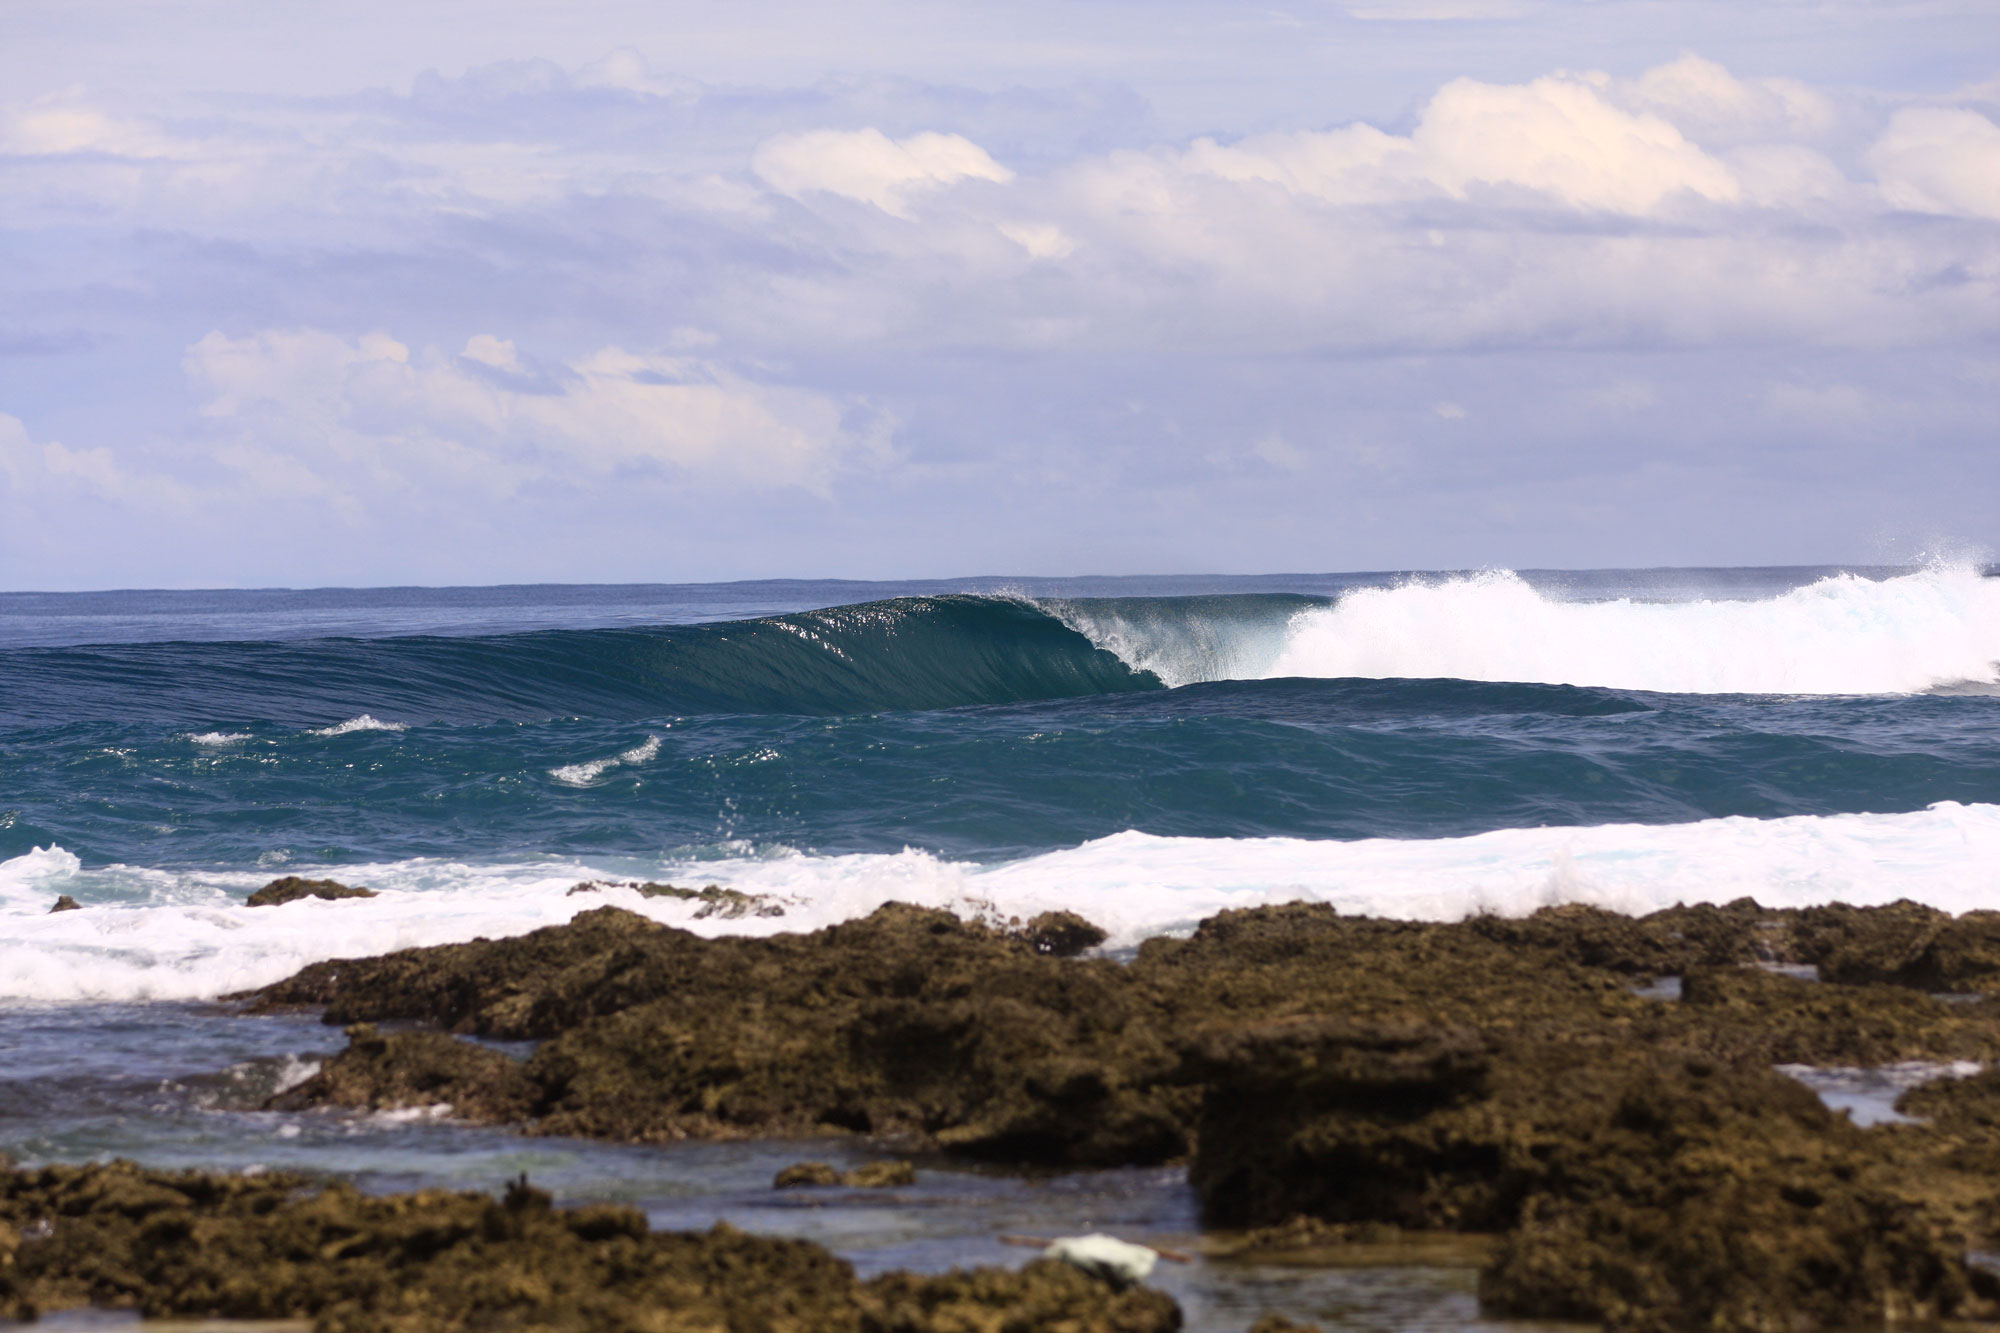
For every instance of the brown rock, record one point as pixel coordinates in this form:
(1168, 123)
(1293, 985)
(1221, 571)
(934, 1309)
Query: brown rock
(880, 1176)
(292, 888)
(65, 903)
(416, 1069)
(806, 1175)
(715, 900)
(278, 1246)
(1641, 1158)
(1063, 934)
(1904, 944)
(908, 1022)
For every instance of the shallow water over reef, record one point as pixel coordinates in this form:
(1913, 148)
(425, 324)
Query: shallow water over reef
(175, 1085)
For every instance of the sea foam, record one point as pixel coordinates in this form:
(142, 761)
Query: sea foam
(362, 723)
(582, 775)
(1935, 627)
(151, 934)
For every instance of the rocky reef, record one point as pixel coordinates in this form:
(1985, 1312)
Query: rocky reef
(292, 888)
(277, 1246)
(909, 1023)
(1634, 1149)
(713, 899)
(872, 1176)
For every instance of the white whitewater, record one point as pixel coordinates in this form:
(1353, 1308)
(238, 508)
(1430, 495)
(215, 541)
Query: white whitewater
(149, 934)
(1934, 627)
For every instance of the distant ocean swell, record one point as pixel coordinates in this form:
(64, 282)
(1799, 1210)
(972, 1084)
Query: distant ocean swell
(1844, 635)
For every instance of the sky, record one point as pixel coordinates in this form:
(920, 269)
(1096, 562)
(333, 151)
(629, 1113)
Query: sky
(435, 292)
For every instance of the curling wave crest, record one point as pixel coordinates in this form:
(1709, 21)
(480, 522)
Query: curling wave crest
(152, 934)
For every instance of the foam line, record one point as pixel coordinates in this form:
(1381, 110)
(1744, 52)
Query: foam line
(157, 934)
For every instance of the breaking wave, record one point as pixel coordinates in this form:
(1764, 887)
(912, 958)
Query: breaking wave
(1931, 629)
(1844, 634)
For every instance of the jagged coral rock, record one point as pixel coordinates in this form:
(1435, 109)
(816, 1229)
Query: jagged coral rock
(273, 1246)
(872, 1176)
(1486, 1074)
(292, 888)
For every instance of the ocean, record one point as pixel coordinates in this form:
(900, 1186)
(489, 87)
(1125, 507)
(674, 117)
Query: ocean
(1144, 751)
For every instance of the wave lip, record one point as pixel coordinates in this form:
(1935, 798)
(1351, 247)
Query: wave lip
(1934, 628)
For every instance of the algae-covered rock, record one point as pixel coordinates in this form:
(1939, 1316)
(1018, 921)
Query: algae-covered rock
(715, 900)
(1904, 944)
(880, 1176)
(275, 1246)
(871, 1176)
(1063, 934)
(380, 1072)
(1636, 1186)
(908, 1022)
(65, 903)
(1722, 1200)
(913, 1022)
(1663, 943)
(1367, 1075)
(292, 888)
(1353, 1122)
(1045, 1295)
(806, 1175)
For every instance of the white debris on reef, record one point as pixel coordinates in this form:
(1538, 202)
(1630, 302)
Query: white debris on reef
(1118, 1262)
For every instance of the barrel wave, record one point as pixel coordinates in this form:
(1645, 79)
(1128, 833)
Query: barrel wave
(911, 653)
(1843, 634)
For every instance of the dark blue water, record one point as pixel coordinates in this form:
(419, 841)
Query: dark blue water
(976, 726)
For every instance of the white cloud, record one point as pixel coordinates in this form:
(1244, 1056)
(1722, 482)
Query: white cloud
(370, 406)
(1042, 240)
(1707, 102)
(1560, 137)
(1940, 160)
(870, 166)
(40, 470)
(64, 124)
(625, 70)
(498, 353)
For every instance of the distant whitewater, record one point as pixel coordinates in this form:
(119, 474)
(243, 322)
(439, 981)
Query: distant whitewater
(1937, 627)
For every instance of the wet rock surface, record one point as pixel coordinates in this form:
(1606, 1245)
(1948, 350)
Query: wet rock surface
(872, 1176)
(714, 900)
(277, 1246)
(292, 888)
(909, 1022)
(1641, 1161)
